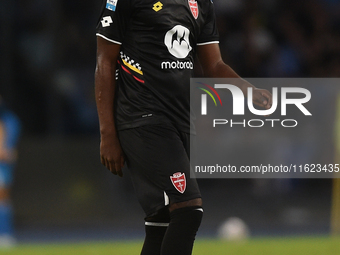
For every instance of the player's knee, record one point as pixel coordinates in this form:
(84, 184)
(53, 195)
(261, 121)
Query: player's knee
(161, 216)
(182, 230)
(193, 202)
(188, 213)
(190, 217)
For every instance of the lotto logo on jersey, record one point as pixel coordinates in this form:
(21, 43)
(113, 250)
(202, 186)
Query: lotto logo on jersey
(106, 21)
(111, 4)
(194, 8)
(179, 181)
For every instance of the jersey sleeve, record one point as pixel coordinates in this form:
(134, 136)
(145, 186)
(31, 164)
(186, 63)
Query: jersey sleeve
(114, 20)
(209, 33)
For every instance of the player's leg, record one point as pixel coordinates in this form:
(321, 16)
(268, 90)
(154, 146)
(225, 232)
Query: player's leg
(137, 144)
(155, 228)
(184, 225)
(160, 170)
(185, 219)
(185, 215)
(6, 214)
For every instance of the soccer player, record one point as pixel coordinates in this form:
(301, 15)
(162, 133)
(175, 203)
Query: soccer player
(9, 134)
(145, 58)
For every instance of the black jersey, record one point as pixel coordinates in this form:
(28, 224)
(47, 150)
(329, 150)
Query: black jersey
(158, 43)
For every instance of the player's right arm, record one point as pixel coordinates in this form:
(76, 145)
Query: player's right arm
(111, 154)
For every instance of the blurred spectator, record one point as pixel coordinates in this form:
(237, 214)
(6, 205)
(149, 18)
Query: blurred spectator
(9, 134)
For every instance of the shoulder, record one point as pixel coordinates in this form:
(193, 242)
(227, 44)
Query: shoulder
(207, 6)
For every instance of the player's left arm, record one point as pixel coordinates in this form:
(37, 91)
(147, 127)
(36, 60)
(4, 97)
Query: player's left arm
(214, 67)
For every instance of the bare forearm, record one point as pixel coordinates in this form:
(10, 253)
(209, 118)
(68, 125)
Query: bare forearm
(105, 92)
(111, 154)
(107, 55)
(223, 70)
(214, 67)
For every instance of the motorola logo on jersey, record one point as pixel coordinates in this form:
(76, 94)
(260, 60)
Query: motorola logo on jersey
(177, 65)
(178, 44)
(177, 41)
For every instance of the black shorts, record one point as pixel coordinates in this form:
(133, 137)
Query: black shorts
(157, 157)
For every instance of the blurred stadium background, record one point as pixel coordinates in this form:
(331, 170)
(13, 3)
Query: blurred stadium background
(62, 193)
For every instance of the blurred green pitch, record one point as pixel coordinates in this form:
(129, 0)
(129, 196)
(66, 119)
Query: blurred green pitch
(257, 246)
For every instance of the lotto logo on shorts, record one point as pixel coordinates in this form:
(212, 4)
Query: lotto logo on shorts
(179, 182)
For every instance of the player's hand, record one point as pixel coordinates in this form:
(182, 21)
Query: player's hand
(111, 154)
(262, 98)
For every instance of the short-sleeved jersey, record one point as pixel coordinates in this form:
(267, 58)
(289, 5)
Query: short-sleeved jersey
(158, 43)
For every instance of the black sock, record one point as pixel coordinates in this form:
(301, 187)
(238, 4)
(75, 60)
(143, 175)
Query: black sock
(180, 235)
(154, 233)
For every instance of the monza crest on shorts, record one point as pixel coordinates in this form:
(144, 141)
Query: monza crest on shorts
(194, 8)
(179, 181)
